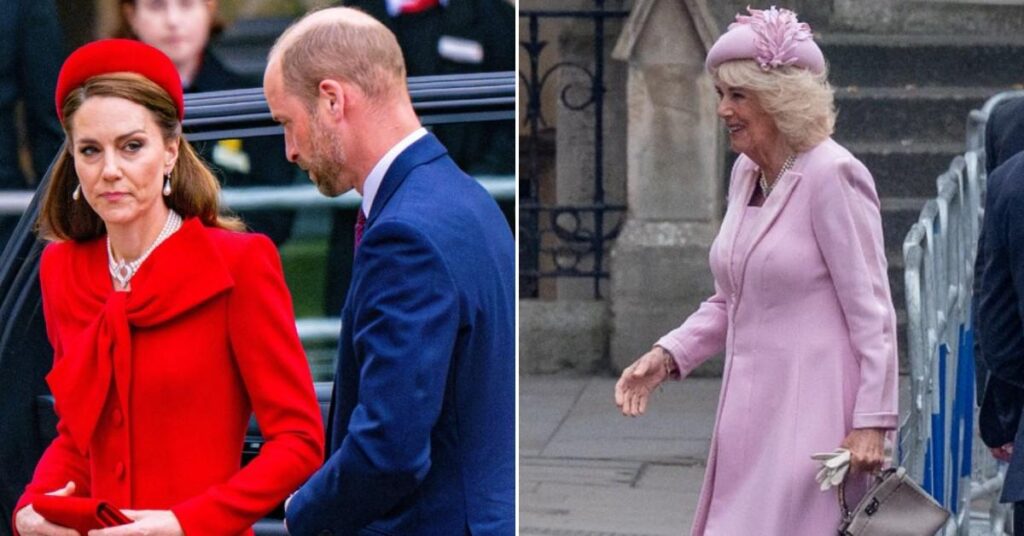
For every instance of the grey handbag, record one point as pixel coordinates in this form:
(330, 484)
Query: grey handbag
(894, 506)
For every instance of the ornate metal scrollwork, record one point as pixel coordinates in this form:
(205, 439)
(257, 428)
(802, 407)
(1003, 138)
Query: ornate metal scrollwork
(564, 240)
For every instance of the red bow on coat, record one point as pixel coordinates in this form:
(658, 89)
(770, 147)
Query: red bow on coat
(183, 272)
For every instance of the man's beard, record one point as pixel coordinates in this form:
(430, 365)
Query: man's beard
(327, 164)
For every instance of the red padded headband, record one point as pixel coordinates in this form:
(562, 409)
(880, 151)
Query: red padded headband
(118, 56)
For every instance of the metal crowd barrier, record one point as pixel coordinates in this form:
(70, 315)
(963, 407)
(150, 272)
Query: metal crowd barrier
(298, 197)
(937, 436)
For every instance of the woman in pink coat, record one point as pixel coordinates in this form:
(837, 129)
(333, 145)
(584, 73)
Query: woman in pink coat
(802, 307)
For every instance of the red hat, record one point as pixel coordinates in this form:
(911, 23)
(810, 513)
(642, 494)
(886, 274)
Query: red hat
(117, 56)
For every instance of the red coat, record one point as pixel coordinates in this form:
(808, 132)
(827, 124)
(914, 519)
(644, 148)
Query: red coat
(154, 387)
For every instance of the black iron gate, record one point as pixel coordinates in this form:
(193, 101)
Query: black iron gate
(567, 240)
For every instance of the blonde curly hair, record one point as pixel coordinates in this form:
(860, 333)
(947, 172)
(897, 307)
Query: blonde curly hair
(800, 102)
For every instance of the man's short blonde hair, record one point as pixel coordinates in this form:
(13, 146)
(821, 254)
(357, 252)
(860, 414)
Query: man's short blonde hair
(339, 44)
(800, 102)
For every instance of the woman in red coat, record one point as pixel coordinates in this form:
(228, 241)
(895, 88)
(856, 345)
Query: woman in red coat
(169, 327)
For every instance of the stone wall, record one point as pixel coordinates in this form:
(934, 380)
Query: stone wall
(660, 268)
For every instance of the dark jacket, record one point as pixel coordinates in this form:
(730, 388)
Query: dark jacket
(31, 52)
(1001, 316)
(1001, 403)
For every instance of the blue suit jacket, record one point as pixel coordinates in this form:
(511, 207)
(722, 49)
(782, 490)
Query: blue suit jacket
(423, 417)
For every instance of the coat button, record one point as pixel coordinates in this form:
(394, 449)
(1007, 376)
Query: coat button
(118, 417)
(119, 470)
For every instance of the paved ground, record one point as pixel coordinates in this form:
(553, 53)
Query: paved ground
(587, 470)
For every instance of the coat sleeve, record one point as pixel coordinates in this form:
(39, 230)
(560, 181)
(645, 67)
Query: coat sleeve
(271, 361)
(61, 461)
(847, 224)
(701, 336)
(405, 322)
(1001, 309)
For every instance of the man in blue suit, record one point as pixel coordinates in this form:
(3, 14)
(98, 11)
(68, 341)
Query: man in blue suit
(422, 421)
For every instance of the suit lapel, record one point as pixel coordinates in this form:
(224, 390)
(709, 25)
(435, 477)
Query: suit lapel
(422, 151)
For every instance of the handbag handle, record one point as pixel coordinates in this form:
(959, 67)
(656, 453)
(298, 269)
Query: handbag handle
(841, 491)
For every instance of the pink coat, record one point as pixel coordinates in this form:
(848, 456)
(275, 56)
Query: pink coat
(805, 317)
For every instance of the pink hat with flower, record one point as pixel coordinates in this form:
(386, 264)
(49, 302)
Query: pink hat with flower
(772, 37)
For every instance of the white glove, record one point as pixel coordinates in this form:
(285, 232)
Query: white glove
(834, 466)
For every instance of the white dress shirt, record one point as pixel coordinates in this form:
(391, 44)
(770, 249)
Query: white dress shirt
(373, 180)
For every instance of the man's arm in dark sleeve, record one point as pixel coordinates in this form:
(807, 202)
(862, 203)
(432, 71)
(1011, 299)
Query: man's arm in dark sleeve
(1001, 312)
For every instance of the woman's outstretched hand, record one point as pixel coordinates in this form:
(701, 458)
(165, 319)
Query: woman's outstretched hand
(639, 379)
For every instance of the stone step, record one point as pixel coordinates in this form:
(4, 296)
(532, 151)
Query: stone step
(898, 215)
(867, 60)
(905, 169)
(908, 114)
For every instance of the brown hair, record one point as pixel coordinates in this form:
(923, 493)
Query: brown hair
(124, 30)
(352, 46)
(195, 191)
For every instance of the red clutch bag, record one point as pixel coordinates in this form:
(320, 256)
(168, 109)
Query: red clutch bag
(79, 513)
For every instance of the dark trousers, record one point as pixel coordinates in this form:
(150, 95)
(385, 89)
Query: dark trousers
(1018, 518)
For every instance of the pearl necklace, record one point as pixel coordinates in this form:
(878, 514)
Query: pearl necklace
(122, 271)
(765, 189)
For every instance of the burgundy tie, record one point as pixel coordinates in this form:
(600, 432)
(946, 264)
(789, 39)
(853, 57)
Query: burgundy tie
(360, 224)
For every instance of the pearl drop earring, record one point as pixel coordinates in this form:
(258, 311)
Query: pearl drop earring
(167, 185)
(77, 194)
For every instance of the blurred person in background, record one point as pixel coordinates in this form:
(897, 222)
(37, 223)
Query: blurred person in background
(997, 301)
(183, 29)
(31, 51)
(457, 37)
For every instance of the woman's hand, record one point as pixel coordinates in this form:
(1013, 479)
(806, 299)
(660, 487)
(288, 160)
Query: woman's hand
(30, 523)
(639, 379)
(867, 449)
(146, 523)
